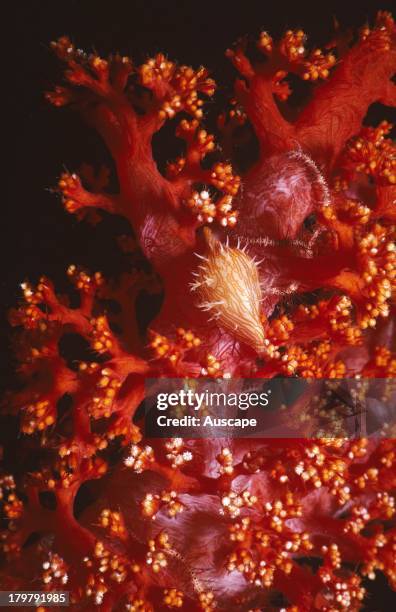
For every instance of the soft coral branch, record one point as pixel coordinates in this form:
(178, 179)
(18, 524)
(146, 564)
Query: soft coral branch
(99, 88)
(76, 198)
(339, 106)
(257, 97)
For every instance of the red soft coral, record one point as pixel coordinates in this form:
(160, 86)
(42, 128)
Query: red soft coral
(199, 524)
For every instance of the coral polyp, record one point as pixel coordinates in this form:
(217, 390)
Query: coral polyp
(272, 243)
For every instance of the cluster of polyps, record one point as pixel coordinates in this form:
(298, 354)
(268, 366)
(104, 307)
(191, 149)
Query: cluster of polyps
(214, 523)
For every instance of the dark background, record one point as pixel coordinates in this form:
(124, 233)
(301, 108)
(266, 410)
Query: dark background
(37, 236)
